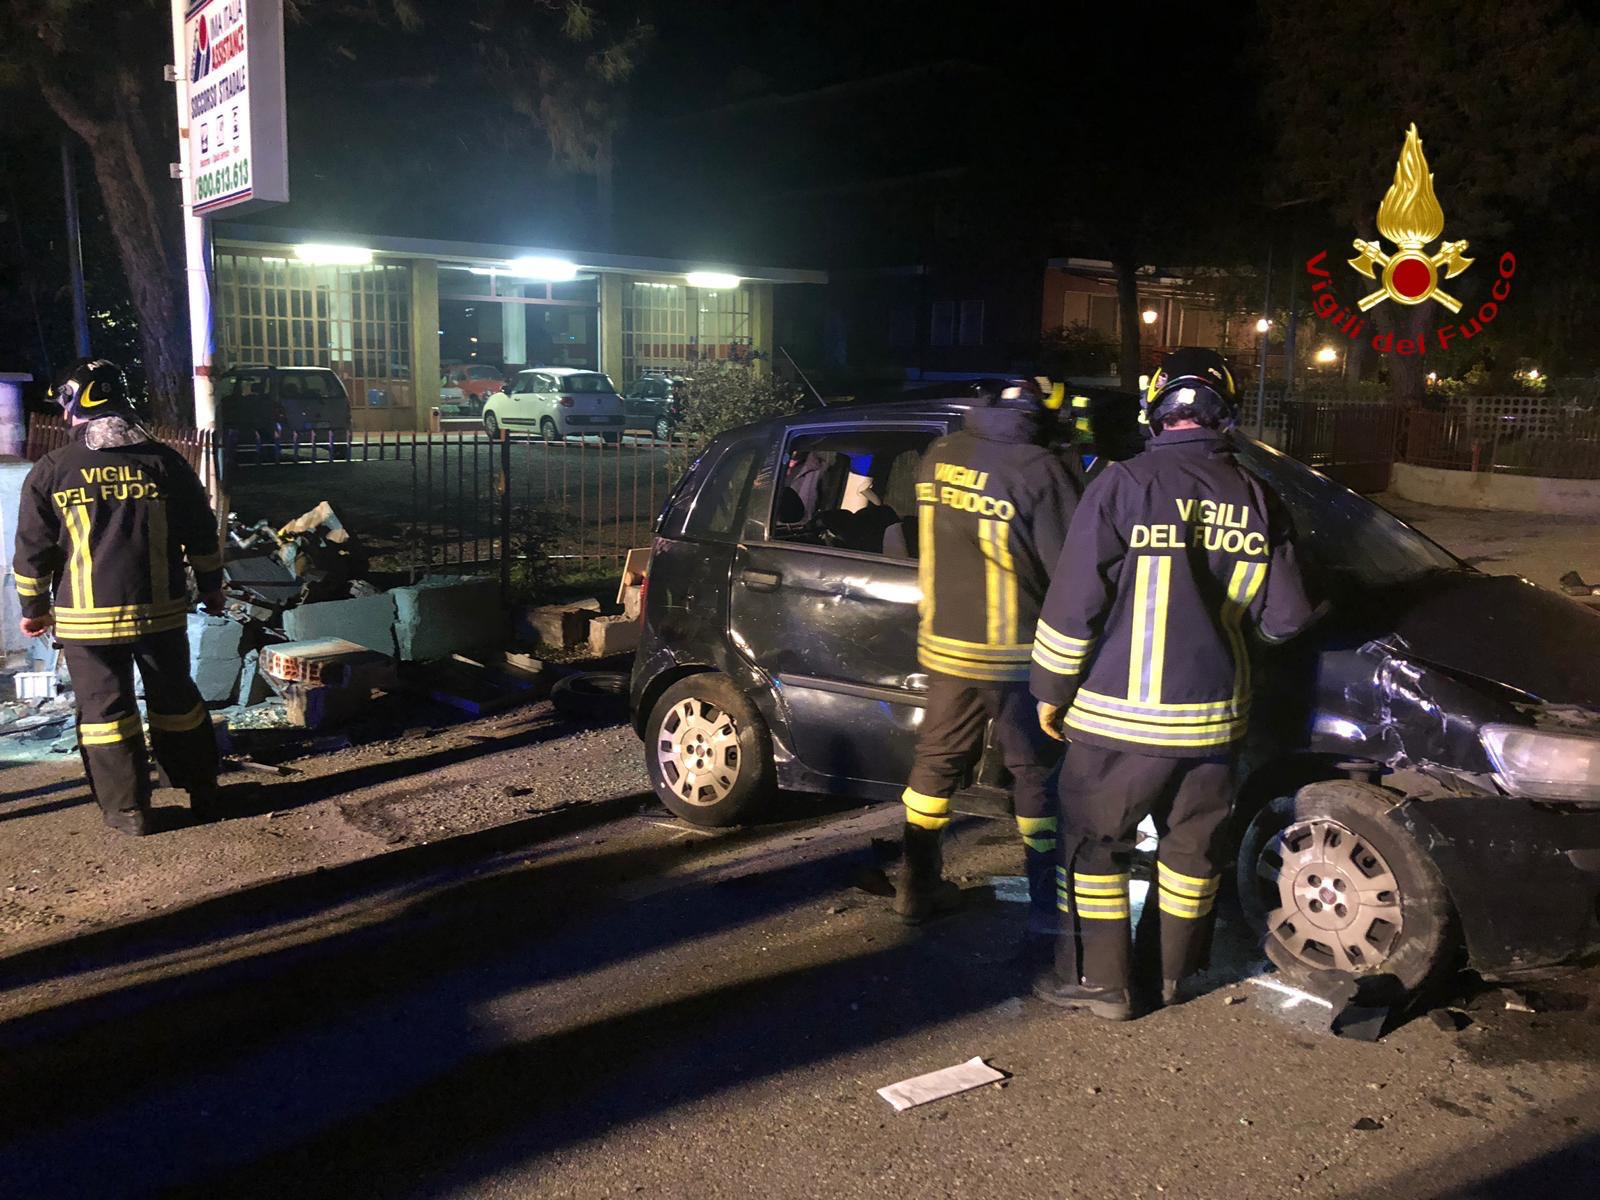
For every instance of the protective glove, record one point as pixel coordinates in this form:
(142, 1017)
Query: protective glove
(1051, 717)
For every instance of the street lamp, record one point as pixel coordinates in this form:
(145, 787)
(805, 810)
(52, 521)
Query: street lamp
(1262, 325)
(1327, 355)
(1149, 316)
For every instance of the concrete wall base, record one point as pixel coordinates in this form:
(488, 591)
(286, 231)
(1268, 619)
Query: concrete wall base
(1505, 493)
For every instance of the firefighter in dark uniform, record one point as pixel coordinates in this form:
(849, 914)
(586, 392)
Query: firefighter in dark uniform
(993, 504)
(1172, 558)
(106, 526)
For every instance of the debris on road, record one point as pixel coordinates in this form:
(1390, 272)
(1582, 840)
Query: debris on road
(1515, 1001)
(1013, 889)
(936, 1085)
(1367, 1124)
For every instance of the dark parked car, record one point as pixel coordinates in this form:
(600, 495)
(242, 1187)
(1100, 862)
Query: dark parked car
(275, 404)
(1422, 780)
(655, 403)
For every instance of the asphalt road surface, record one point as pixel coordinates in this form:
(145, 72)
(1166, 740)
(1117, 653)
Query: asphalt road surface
(626, 1006)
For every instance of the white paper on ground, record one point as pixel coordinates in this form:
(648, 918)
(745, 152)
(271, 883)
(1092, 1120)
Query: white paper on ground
(936, 1085)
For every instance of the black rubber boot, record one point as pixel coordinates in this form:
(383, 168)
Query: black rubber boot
(1106, 1003)
(203, 803)
(923, 892)
(135, 822)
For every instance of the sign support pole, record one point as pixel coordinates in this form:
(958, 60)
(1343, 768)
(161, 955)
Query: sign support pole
(197, 275)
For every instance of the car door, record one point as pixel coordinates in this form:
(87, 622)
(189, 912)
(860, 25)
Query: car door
(518, 409)
(832, 620)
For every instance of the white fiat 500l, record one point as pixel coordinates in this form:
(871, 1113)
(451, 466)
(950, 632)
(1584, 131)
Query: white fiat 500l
(557, 402)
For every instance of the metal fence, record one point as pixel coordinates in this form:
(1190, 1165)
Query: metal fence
(1558, 442)
(456, 503)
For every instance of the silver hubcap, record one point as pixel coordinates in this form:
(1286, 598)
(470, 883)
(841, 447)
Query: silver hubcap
(698, 751)
(1333, 902)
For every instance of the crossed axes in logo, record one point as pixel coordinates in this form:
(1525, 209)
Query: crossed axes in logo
(1449, 256)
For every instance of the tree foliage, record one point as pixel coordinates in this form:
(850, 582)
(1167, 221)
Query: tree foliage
(1504, 97)
(529, 74)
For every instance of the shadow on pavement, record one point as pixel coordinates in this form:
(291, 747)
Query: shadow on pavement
(366, 1059)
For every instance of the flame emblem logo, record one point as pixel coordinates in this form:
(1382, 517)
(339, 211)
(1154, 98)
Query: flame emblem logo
(1410, 217)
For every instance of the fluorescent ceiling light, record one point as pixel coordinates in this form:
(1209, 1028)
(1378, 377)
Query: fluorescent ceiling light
(715, 280)
(551, 270)
(324, 254)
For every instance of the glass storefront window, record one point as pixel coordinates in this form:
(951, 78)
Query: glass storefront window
(285, 313)
(667, 327)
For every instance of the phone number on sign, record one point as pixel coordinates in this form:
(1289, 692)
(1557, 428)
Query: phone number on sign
(222, 181)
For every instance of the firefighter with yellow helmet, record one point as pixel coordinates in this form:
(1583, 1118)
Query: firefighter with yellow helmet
(993, 502)
(1140, 662)
(107, 525)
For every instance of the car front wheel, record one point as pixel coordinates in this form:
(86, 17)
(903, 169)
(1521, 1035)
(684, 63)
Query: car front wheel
(1330, 883)
(491, 425)
(708, 752)
(663, 430)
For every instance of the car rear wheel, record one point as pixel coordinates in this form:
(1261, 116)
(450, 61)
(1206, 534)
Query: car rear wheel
(663, 430)
(708, 752)
(547, 429)
(1330, 883)
(491, 425)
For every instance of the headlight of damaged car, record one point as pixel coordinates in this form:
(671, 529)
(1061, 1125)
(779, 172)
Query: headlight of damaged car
(1542, 765)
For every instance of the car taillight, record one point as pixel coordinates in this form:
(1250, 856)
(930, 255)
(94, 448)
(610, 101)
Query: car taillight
(566, 402)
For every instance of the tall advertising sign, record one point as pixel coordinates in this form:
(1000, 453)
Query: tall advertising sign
(238, 132)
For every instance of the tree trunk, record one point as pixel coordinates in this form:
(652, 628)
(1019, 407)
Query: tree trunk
(1128, 315)
(1407, 372)
(142, 215)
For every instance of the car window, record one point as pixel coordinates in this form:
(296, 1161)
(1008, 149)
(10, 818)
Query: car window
(318, 384)
(719, 502)
(250, 384)
(587, 383)
(527, 383)
(851, 489)
(1339, 534)
(482, 373)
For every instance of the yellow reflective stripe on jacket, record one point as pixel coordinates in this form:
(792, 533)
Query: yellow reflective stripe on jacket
(963, 668)
(27, 586)
(1060, 642)
(1101, 897)
(1198, 735)
(206, 562)
(1000, 580)
(955, 647)
(1147, 650)
(80, 562)
(108, 733)
(1245, 582)
(1145, 714)
(181, 722)
(925, 515)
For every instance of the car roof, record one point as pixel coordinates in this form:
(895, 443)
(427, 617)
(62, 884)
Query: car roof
(923, 405)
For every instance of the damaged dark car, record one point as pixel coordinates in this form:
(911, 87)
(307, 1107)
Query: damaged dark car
(1421, 786)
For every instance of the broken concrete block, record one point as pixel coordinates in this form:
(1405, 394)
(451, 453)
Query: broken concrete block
(253, 685)
(558, 624)
(326, 680)
(443, 615)
(215, 656)
(367, 621)
(613, 635)
(327, 662)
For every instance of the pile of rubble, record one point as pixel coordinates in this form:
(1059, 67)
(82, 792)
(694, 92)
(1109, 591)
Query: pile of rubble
(307, 638)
